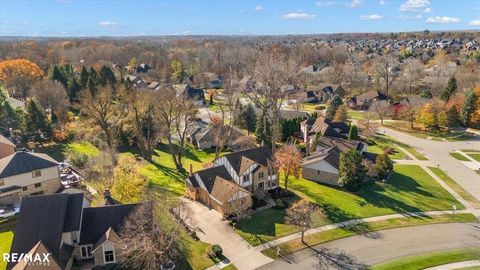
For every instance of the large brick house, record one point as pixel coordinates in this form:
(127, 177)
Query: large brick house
(26, 173)
(234, 178)
(62, 225)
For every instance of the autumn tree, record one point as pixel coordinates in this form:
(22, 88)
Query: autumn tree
(342, 114)
(273, 73)
(409, 111)
(475, 116)
(303, 215)
(384, 65)
(351, 170)
(128, 183)
(244, 142)
(381, 108)
(333, 106)
(132, 65)
(432, 115)
(106, 110)
(368, 126)
(150, 238)
(288, 160)
(18, 76)
(51, 95)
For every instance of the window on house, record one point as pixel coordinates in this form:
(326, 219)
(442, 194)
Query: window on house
(24, 188)
(86, 251)
(260, 185)
(246, 178)
(318, 172)
(260, 175)
(109, 256)
(37, 185)
(37, 173)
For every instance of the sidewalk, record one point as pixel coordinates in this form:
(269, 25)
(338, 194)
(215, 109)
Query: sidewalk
(457, 265)
(294, 236)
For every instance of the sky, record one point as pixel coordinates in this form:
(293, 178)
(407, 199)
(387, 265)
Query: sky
(229, 17)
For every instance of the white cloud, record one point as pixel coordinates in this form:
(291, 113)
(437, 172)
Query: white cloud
(354, 4)
(443, 19)
(371, 17)
(414, 5)
(325, 3)
(107, 24)
(297, 16)
(258, 8)
(381, 2)
(403, 17)
(187, 32)
(474, 22)
(428, 10)
(15, 22)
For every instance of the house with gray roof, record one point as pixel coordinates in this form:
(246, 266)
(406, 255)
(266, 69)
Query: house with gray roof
(70, 230)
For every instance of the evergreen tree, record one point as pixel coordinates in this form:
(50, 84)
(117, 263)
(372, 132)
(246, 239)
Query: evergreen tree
(353, 133)
(106, 76)
(91, 85)
(94, 75)
(249, 118)
(426, 94)
(37, 127)
(73, 88)
(84, 75)
(56, 74)
(351, 170)
(9, 117)
(469, 105)
(449, 89)
(342, 114)
(332, 107)
(384, 165)
(261, 138)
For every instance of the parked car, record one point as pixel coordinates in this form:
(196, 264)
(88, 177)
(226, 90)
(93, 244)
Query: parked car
(9, 211)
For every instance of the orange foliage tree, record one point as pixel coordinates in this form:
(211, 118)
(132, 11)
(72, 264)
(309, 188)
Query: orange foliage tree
(476, 114)
(18, 75)
(288, 160)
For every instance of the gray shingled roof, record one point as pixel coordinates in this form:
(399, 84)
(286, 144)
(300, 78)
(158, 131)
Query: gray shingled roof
(24, 162)
(208, 176)
(260, 155)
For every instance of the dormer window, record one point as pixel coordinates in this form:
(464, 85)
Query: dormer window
(86, 251)
(37, 173)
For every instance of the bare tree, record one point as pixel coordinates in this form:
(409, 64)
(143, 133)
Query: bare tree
(244, 142)
(384, 65)
(328, 259)
(381, 108)
(409, 111)
(105, 109)
(176, 112)
(150, 240)
(368, 127)
(303, 214)
(52, 96)
(413, 72)
(273, 76)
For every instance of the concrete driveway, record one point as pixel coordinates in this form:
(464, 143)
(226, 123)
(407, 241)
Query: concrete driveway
(388, 245)
(211, 229)
(438, 154)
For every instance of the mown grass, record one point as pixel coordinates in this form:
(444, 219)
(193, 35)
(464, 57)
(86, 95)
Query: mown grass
(455, 186)
(378, 144)
(459, 156)
(6, 238)
(430, 260)
(363, 228)
(475, 156)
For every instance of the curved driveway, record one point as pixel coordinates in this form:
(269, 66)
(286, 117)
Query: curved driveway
(438, 154)
(388, 245)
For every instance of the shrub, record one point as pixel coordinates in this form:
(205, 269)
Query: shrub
(320, 107)
(279, 204)
(217, 250)
(77, 159)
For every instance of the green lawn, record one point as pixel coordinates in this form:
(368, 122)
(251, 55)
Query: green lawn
(475, 156)
(459, 156)
(410, 189)
(431, 260)
(6, 238)
(364, 228)
(440, 135)
(405, 146)
(58, 150)
(195, 253)
(378, 144)
(360, 115)
(455, 186)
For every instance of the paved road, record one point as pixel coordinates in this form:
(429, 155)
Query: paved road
(438, 154)
(387, 245)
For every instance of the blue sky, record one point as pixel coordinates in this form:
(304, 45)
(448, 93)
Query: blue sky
(149, 17)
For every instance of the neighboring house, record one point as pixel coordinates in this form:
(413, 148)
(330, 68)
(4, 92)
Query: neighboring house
(25, 173)
(235, 177)
(6, 147)
(326, 91)
(412, 100)
(324, 127)
(323, 166)
(61, 225)
(247, 83)
(196, 95)
(210, 80)
(289, 115)
(306, 97)
(207, 137)
(363, 102)
(136, 81)
(154, 86)
(143, 68)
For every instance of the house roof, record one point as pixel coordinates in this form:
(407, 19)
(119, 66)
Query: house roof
(109, 235)
(6, 141)
(327, 127)
(259, 155)
(343, 144)
(223, 190)
(97, 220)
(209, 134)
(372, 95)
(208, 176)
(24, 162)
(331, 156)
(41, 219)
(73, 213)
(40, 249)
